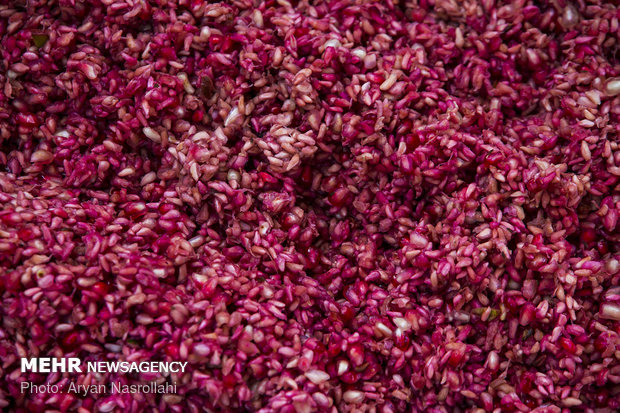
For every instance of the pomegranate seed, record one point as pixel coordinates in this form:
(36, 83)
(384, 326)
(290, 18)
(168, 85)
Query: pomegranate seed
(601, 399)
(588, 235)
(164, 308)
(265, 177)
(306, 175)
(412, 141)
(229, 381)
(602, 247)
(456, 358)
(538, 239)
(602, 342)
(370, 372)
(407, 164)
(528, 314)
(314, 258)
(339, 197)
(335, 346)
(512, 304)
(568, 345)
(104, 314)
(529, 401)
(356, 354)
(70, 342)
(402, 341)
(198, 115)
(289, 220)
(172, 351)
(100, 288)
(28, 120)
(347, 313)
(493, 158)
(163, 208)
(526, 384)
(350, 377)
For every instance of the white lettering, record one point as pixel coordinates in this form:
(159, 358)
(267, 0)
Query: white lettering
(29, 365)
(74, 365)
(59, 365)
(113, 367)
(39, 388)
(116, 387)
(130, 367)
(44, 365)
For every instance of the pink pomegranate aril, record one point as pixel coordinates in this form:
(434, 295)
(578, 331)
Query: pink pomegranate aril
(527, 314)
(356, 354)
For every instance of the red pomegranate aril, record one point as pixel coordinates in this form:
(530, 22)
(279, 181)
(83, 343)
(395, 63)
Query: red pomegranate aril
(346, 314)
(601, 398)
(313, 258)
(370, 371)
(289, 220)
(350, 377)
(105, 314)
(402, 341)
(172, 351)
(588, 235)
(529, 401)
(568, 345)
(267, 178)
(526, 382)
(25, 234)
(100, 288)
(339, 197)
(602, 342)
(27, 119)
(198, 116)
(164, 308)
(164, 208)
(413, 141)
(512, 304)
(493, 158)
(456, 358)
(507, 404)
(306, 175)
(70, 341)
(229, 381)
